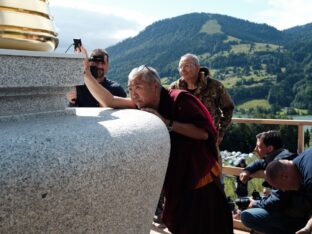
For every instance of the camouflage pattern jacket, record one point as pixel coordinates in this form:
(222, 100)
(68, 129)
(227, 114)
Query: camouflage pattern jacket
(214, 96)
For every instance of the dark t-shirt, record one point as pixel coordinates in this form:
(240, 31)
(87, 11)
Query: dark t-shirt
(304, 164)
(85, 98)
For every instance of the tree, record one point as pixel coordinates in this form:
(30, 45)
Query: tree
(303, 95)
(280, 94)
(289, 136)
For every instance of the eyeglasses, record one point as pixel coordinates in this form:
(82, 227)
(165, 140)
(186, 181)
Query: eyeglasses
(186, 66)
(142, 67)
(151, 70)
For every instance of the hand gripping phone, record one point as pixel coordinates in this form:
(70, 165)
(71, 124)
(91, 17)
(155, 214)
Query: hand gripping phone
(77, 44)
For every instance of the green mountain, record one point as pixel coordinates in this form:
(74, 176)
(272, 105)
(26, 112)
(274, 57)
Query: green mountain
(254, 61)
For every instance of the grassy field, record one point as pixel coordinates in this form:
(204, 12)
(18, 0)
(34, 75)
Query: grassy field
(230, 38)
(252, 48)
(263, 103)
(211, 27)
(285, 111)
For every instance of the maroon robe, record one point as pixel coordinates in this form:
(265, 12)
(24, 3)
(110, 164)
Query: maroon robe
(189, 210)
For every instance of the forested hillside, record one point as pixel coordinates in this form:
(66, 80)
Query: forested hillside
(254, 61)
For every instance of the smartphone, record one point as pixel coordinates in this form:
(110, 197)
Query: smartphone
(94, 71)
(77, 44)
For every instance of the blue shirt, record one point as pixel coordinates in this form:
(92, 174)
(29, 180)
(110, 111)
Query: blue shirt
(304, 164)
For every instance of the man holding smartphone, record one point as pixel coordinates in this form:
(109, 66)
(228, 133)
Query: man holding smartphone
(80, 96)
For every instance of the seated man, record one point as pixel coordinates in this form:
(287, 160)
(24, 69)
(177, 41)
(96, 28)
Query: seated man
(269, 147)
(194, 200)
(289, 209)
(80, 96)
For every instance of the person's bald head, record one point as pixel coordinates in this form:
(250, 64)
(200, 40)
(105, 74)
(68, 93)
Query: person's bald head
(283, 175)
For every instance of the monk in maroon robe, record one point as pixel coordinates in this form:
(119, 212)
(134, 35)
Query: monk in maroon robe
(194, 199)
(195, 203)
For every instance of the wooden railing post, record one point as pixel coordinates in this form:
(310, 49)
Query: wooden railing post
(300, 138)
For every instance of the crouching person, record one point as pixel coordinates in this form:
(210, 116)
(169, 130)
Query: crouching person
(288, 209)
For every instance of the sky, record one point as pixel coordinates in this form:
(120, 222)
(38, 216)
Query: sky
(102, 23)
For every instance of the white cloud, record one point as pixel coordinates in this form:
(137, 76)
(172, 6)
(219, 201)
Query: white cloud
(103, 8)
(123, 34)
(284, 14)
(98, 26)
(251, 1)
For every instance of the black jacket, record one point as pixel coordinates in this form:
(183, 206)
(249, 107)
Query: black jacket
(85, 98)
(261, 164)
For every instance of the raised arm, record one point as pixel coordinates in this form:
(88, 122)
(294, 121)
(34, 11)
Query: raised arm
(102, 95)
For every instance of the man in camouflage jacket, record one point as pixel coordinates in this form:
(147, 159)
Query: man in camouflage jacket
(211, 92)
